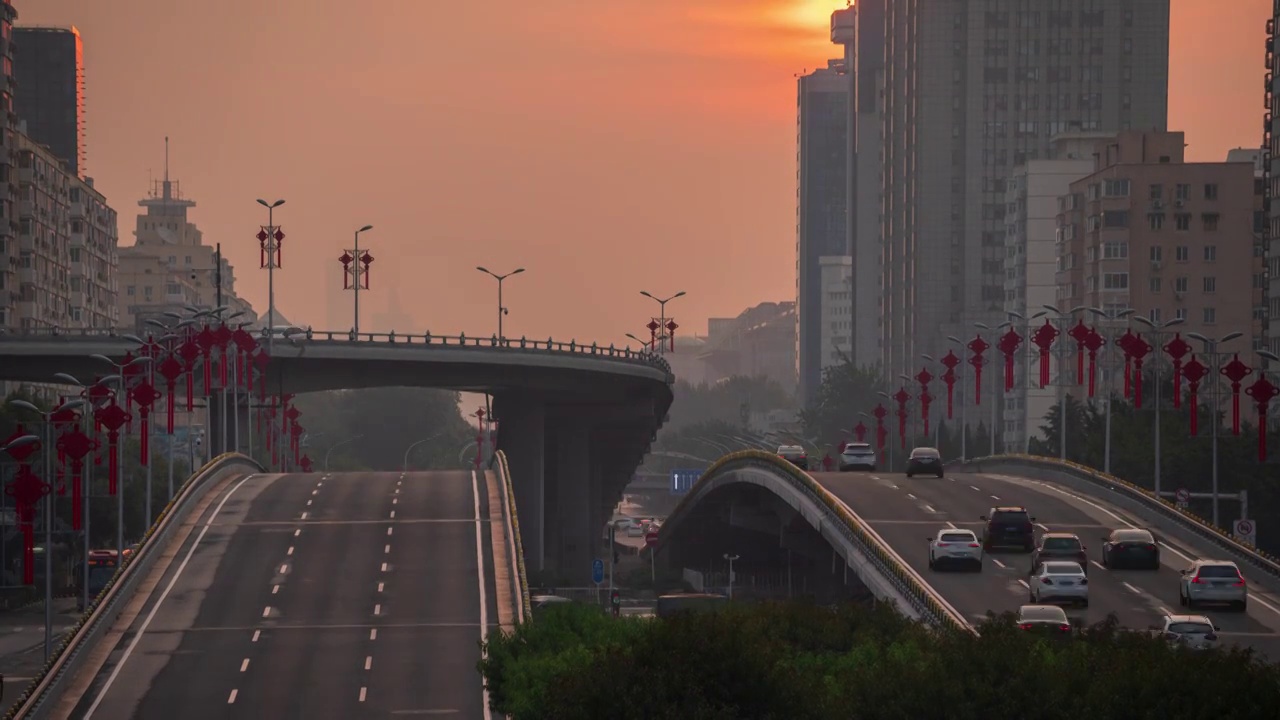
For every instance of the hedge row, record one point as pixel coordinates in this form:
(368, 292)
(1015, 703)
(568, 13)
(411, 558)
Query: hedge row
(798, 662)
(907, 578)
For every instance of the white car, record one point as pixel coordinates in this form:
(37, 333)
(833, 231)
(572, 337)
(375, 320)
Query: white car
(955, 547)
(1059, 581)
(857, 456)
(1213, 581)
(1196, 632)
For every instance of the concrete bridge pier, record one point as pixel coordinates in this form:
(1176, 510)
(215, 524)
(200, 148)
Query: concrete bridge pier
(569, 471)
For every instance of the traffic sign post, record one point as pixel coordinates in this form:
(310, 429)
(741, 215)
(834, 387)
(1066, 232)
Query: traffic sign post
(1245, 531)
(597, 576)
(651, 542)
(1183, 497)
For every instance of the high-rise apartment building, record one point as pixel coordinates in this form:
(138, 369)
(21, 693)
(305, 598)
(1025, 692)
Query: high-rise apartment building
(837, 309)
(971, 91)
(821, 199)
(9, 291)
(49, 67)
(1168, 238)
(1271, 183)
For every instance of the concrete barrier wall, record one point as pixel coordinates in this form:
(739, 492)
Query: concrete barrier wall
(101, 615)
(522, 601)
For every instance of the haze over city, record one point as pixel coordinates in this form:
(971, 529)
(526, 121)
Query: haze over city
(608, 147)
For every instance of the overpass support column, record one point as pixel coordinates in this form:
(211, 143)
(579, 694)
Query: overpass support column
(573, 513)
(523, 438)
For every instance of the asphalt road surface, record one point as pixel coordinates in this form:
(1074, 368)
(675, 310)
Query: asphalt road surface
(906, 512)
(357, 595)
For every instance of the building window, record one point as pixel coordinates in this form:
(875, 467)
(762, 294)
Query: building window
(1210, 316)
(1211, 191)
(1210, 284)
(1115, 281)
(1115, 251)
(1115, 218)
(1180, 284)
(1183, 221)
(1182, 253)
(146, 292)
(131, 290)
(1180, 313)
(1116, 188)
(1154, 284)
(1183, 191)
(1154, 315)
(1210, 222)
(1156, 252)
(187, 260)
(1155, 220)
(1210, 253)
(1157, 192)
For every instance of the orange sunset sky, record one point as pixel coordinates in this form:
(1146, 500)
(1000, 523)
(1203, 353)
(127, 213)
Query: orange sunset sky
(608, 146)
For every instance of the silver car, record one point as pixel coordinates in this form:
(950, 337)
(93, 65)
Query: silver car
(1059, 581)
(1191, 631)
(955, 547)
(1213, 581)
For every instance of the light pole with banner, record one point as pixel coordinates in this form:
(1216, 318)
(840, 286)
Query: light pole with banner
(1108, 318)
(1157, 333)
(270, 239)
(662, 316)
(502, 309)
(1215, 363)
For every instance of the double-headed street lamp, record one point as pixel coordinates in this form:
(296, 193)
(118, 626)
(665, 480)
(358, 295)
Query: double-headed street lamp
(643, 343)
(122, 389)
(359, 274)
(1157, 332)
(964, 425)
(662, 312)
(1108, 319)
(270, 259)
(502, 309)
(1215, 360)
(1063, 321)
(405, 465)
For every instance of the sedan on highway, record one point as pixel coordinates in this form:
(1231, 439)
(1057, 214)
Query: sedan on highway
(1008, 526)
(1213, 581)
(924, 460)
(1059, 581)
(1130, 548)
(1060, 546)
(1044, 619)
(955, 548)
(1195, 632)
(795, 455)
(857, 456)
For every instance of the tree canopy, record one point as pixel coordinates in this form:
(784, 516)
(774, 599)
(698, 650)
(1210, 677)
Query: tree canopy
(731, 401)
(846, 390)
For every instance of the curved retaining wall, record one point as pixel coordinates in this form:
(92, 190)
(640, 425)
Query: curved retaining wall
(513, 529)
(925, 601)
(102, 613)
(1125, 494)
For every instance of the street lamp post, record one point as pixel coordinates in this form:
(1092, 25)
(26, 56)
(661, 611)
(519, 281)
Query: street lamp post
(964, 424)
(405, 465)
(994, 401)
(502, 309)
(121, 389)
(1215, 359)
(891, 402)
(340, 443)
(1157, 333)
(731, 558)
(643, 343)
(937, 425)
(270, 246)
(1062, 321)
(662, 313)
(359, 274)
(1109, 317)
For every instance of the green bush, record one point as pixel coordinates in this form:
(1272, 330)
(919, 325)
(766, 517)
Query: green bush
(800, 661)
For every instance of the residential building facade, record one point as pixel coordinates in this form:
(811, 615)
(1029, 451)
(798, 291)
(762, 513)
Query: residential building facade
(760, 341)
(9, 289)
(1271, 184)
(821, 199)
(837, 310)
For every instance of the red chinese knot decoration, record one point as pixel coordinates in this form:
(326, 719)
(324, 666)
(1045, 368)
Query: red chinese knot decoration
(112, 417)
(924, 378)
(1008, 346)
(951, 361)
(901, 397)
(671, 333)
(881, 433)
(1235, 372)
(859, 431)
(26, 489)
(1080, 333)
(74, 446)
(143, 395)
(1194, 371)
(1177, 348)
(1093, 342)
(1044, 338)
(977, 346)
(1138, 349)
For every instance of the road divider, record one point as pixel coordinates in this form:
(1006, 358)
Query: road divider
(925, 601)
(513, 531)
(102, 613)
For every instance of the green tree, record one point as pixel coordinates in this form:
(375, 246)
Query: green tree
(846, 390)
(731, 401)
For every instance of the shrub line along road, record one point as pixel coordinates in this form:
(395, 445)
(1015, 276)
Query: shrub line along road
(905, 512)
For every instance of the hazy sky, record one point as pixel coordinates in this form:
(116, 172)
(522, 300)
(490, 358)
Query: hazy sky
(608, 146)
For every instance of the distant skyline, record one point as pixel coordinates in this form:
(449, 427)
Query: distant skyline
(607, 147)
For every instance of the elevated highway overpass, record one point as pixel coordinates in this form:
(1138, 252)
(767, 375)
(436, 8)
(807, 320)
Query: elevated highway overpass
(895, 516)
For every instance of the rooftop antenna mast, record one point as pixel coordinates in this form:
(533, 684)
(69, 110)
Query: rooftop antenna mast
(166, 159)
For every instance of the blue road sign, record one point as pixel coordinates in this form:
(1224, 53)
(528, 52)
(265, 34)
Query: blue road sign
(683, 480)
(597, 571)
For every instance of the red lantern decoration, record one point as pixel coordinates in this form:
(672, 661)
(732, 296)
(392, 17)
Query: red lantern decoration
(189, 351)
(1235, 371)
(112, 417)
(1194, 371)
(222, 340)
(671, 333)
(245, 345)
(170, 369)
(346, 259)
(62, 418)
(1093, 342)
(26, 489)
(74, 446)
(1008, 346)
(977, 346)
(951, 361)
(206, 341)
(1080, 333)
(144, 394)
(1138, 349)
(366, 260)
(653, 333)
(1262, 391)
(924, 378)
(1125, 342)
(261, 360)
(1044, 338)
(901, 397)
(1177, 348)
(881, 433)
(859, 431)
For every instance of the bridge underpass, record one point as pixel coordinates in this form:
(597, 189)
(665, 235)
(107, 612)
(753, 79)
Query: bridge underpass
(779, 553)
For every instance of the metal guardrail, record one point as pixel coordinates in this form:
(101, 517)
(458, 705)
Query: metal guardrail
(104, 610)
(493, 342)
(523, 605)
(924, 598)
(1200, 526)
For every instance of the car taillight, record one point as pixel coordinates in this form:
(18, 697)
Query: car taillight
(1046, 581)
(1024, 626)
(942, 544)
(1239, 582)
(1064, 628)
(975, 544)
(1196, 580)
(1151, 547)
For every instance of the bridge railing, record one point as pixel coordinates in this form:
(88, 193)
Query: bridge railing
(492, 342)
(1203, 528)
(523, 604)
(926, 601)
(102, 613)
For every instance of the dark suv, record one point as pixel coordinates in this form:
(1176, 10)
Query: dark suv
(1008, 527)
(1060, 546)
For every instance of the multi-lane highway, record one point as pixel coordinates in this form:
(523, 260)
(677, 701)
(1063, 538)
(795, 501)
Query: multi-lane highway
(352, 595)
(906, 512)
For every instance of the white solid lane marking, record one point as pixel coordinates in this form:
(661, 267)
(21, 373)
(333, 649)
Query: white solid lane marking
(377, 609)
(975, 488)
(256, 634)
(380, 586)
(929, 508)
(289, 551)
(892, 486)
(1131, 588)
(266, 611)
(995, 497)
(232, 697)
(368, 662)
(244, 665)
(484, 602)
(115, 672)
(275, 589)
(998, 563)
(373, 633)
(363, 692)
(910, 496)
(1099, 565)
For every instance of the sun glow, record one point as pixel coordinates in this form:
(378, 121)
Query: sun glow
(810, 13)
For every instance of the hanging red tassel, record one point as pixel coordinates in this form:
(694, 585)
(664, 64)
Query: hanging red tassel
(1262, 391)
(1194, 371)
(1008, 345)
(75, 445)
(1093, 342)
(1235, 371)
(1177, 348)
(1138, 349)
(1044, 338)
(112, 418)
(26, 489)
(977, 346)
